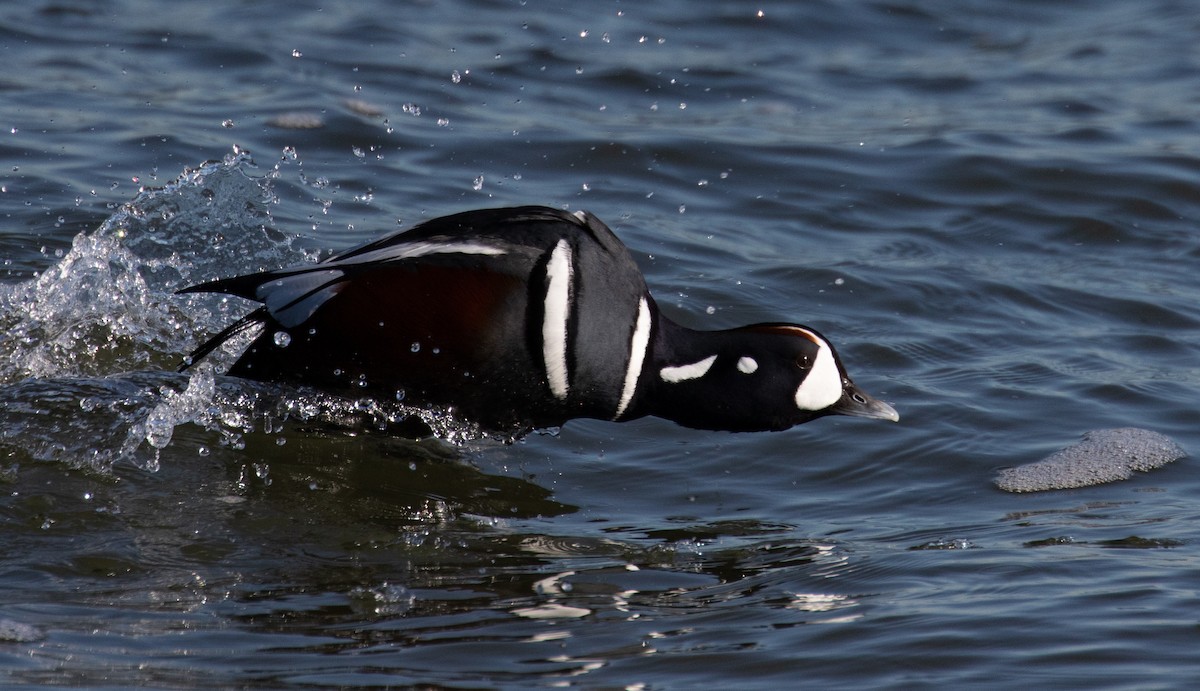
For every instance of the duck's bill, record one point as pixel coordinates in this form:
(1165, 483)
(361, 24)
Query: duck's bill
(858, 404)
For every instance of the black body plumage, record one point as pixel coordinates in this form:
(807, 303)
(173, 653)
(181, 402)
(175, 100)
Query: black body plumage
(520, 317)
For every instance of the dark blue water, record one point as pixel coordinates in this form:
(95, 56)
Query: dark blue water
(991, 207)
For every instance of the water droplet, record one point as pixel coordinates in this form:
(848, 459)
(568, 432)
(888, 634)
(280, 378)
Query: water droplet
(415, 347)
(477, 183)
(282, 339)
(296, 53)
(455, 76)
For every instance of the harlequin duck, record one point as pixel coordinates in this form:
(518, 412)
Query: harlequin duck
(524, 317)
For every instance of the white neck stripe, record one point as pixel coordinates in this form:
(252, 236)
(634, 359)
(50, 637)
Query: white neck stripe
(639, 343)
(557, 309)
(695, 370)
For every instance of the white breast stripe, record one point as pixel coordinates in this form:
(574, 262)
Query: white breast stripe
(823, 385)
(638, 345)
(747, 365)
(679, 373)
(554, 318)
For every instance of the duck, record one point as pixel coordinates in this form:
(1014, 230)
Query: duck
(524, 318)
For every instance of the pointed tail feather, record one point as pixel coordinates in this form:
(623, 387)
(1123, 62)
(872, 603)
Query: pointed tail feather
(249, 321)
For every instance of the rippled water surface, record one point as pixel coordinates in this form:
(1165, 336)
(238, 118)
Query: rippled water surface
(991, 207)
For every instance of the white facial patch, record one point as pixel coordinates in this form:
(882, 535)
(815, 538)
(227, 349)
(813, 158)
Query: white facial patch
(639, 343)
(678, 373)
(747, 365)
(823, 385)
(554, 318)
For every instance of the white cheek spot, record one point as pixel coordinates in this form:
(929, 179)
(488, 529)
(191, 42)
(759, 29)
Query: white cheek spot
(554, 318)
(639, 343)
(823, 385)
(747, 365)
(679, 373)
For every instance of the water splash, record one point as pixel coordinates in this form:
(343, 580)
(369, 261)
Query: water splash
(108, 305)
(89, 347)
(172, 409)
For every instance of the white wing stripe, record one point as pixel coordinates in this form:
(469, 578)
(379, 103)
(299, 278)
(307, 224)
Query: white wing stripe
(412, 250)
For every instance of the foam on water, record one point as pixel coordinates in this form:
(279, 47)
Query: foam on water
(1104, 455)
